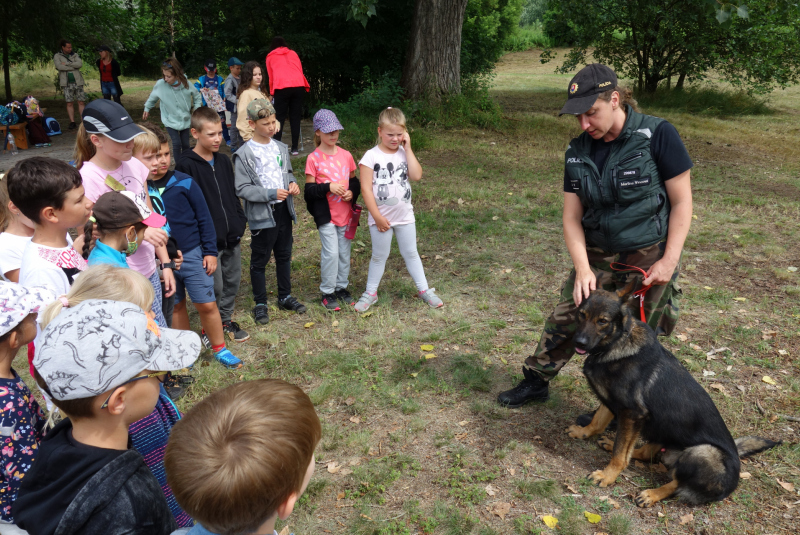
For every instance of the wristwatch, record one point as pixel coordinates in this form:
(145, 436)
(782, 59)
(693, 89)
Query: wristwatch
(170, 265)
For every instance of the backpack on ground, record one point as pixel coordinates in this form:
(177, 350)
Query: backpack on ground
(51, 126)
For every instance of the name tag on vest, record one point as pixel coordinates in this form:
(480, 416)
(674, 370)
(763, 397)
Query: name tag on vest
(575, 184)
(628, 173)
(634, 182)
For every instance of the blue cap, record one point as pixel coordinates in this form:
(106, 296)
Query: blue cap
(234, 61)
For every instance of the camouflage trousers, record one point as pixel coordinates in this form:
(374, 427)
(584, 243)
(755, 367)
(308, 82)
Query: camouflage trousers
(660, 306)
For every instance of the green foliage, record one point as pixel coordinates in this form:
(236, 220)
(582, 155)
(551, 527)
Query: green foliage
(487, 24)
(705, 101)
(653, 42)
(528, 37)
(532, 11)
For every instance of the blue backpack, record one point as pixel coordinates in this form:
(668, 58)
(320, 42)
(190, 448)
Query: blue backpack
(51, 126)
(7, 116)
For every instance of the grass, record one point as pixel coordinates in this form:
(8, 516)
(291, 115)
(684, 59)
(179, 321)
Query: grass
(528, 37)
(408, 429)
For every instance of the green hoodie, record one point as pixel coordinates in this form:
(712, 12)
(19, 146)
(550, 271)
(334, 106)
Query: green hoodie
(177, 104)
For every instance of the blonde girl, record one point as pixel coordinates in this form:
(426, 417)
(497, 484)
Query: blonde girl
(386, 171)
(177, 99)
(150, 434)
(251, 86)
(16, 233)
(103, 155)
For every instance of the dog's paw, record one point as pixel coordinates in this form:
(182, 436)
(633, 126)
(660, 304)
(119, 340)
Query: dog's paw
(645, 499)
(602, 479)
(606, 443)
(576, 431)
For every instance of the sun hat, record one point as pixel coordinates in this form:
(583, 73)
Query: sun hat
(585, 86)
(17, 302)
(124, 208)
(259, 108)
(110, 119)
(101, 344)
(326, 122)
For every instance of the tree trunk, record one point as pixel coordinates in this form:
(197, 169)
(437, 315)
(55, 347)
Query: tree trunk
(681, 78)
(6, 61)
(433, 59)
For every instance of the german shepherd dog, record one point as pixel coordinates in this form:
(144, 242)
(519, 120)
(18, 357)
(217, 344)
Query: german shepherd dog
(653, 396)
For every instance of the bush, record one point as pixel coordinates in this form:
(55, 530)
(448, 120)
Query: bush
(527, 37)
(532, 11)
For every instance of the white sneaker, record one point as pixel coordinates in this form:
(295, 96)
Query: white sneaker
(431, 298)
(366, 301)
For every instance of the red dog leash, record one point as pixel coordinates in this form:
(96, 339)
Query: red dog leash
(638, 293)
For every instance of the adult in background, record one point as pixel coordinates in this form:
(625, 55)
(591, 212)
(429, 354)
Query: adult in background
(212, 88)
(68, 64)
(288, 85)
(627, 199)
(109, 74)
(231, 90)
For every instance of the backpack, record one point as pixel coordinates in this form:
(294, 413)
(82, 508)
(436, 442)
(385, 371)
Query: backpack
(51, 126)
(7, 116)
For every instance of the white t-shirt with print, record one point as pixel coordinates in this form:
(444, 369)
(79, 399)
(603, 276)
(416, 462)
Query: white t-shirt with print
(390, 185)
(11, 249)
(268, 165)
(54, 268)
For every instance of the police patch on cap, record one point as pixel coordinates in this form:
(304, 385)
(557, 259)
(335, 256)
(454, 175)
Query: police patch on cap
(573, 89)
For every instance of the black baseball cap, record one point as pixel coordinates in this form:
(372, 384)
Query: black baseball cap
(584, 87)
(210, 65)
(103, 48)
(110, 119)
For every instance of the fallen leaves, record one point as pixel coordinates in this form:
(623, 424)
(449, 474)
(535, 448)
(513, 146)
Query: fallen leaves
(309, 325)
(285, 531)
(785, 485)
(769, 380)
(500, 509)
(426, 347)
(768, 335)
(611, 501)
(355, 419)
(719, 387)
(550, 521)
(681, 337)
(707, 373)
(685, 519)
(740, 299)
(334, 467)
(430, 356)
(592, 518)
(791, 269)
(744, 475)
(491, 490)
(366, 314)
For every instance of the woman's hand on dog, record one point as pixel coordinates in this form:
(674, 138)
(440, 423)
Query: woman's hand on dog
(585, 283)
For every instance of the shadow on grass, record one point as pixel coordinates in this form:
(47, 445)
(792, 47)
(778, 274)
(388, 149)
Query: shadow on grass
(707, 101)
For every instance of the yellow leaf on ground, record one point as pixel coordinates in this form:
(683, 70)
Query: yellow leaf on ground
(335, 323)
(550, 521)
(426, 347)
(309, 325)
(685, 519)
(503, 360)
(740, 299)
(366, 314)
(592, 518)
(495, 218)
(769, 380)
(708, 288)
(414, 374)
(430, 356)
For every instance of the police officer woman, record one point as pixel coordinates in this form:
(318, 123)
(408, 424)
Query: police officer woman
(627, 199)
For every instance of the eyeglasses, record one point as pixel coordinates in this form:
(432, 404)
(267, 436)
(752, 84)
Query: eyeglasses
(161, 376)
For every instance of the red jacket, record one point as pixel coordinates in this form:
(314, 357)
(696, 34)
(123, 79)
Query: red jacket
(284, 70)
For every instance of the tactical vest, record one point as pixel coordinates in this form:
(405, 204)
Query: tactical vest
(625, 204)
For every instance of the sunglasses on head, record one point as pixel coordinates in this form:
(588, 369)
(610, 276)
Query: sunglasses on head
(166, 65)
(161, 376)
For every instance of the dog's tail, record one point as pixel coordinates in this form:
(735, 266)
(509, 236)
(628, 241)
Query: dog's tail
(747, 446)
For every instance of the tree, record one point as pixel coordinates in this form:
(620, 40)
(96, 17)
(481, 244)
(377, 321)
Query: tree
(652, 41)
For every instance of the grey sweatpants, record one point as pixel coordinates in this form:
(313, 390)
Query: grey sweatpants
(334, 258)
(382, 244)
(226, 280)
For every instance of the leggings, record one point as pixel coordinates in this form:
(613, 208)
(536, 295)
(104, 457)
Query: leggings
(407, 243)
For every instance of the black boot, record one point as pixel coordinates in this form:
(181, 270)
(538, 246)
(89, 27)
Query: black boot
(117, 100)
(532, 388)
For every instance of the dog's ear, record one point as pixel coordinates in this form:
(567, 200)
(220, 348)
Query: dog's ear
(625, 293)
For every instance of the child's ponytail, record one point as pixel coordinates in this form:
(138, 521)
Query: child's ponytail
(88, 228)
(84, 148)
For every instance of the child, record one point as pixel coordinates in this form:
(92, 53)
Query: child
(265, 180)
(103, 155)
(231, 90)
(252, 86)
(213, 172)
(49, 193)
(16, 233)
(150, 434)
(102, 364)
(212, 90)
(242, 457)
(121, 223)
(331, 190)
(385, 173)
(21, 419)
(178, 98)
(193, 228)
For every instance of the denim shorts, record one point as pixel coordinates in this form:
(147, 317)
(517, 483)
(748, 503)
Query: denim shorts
(192, 279)
(108, 88)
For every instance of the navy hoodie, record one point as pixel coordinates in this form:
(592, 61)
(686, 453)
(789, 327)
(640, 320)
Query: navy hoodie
(186, 210)
(217, 183)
